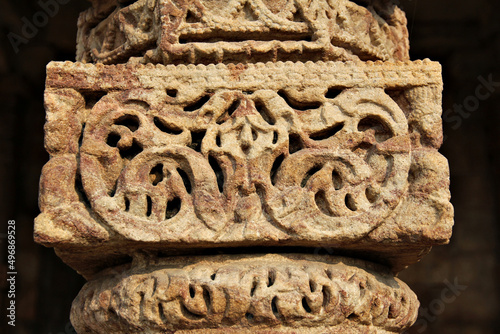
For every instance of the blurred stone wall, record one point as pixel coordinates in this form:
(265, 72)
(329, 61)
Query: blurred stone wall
(456, 284)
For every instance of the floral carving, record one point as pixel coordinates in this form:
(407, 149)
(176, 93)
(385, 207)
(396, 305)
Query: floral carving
(254, 158)
(293, 129)
(277, 291)
(213, 31)
(221, 156)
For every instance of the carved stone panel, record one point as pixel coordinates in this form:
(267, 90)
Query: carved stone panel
(239, 31)
(340, 155)
(246, 294)
(209, 157)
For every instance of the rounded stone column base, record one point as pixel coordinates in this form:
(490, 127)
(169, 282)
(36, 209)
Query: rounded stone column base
(286, 293)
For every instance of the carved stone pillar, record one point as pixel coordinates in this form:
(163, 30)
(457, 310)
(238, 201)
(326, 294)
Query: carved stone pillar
(243, 166)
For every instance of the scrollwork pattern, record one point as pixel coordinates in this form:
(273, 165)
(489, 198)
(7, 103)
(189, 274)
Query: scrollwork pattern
(243, 162)
(213, 31)
(270, 291)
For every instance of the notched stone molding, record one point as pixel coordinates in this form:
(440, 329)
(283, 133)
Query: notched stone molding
(340, 155)
(240, 31)
(387, 75)
(281, 293)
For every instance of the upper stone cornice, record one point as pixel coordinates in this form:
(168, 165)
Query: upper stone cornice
(241, 31)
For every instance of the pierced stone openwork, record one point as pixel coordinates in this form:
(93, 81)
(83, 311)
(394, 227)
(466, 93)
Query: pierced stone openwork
(242, 163)
(225, 156)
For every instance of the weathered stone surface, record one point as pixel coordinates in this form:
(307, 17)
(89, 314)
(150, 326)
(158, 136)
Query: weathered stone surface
(235, 294)
(340, 155)
(239, 31)
(241, 153)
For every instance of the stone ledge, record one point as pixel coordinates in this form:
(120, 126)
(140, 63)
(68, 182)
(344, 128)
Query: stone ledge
(244, 76)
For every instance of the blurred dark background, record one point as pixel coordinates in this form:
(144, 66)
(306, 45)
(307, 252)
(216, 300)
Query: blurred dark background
(463, 35)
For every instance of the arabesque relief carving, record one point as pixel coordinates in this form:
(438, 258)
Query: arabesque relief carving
(334, 161)
(243, 166)
(273, 290)
(213, 31)
(158, 166)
